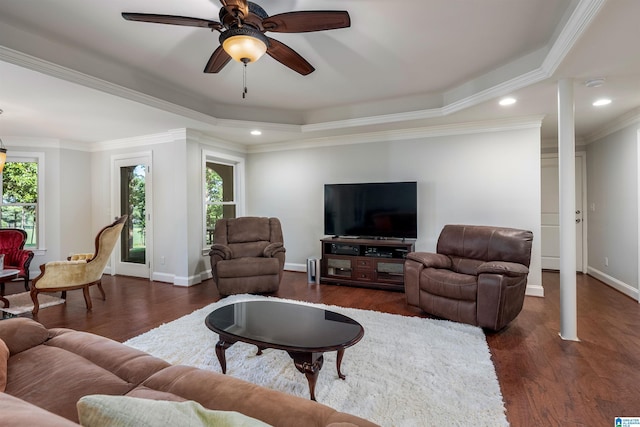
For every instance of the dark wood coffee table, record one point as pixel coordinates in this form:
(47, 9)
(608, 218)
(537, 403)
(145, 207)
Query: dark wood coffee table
(304, 332)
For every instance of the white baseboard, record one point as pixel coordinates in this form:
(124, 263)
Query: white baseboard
(534, 291)
(614, 283)
(295, 267)
(162, 277)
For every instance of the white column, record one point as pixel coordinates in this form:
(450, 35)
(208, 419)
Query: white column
(567, 178)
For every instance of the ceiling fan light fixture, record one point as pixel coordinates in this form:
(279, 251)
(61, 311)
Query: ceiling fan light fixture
(244, 44)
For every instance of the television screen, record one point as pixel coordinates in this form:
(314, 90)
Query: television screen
(386, 209)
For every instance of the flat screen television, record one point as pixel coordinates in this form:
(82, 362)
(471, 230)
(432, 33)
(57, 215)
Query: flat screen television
(371, 210)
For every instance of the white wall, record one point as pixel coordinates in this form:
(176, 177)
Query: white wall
(482, 176)
(488, 177)
(178, 253)
(66, 221)
(612, 194)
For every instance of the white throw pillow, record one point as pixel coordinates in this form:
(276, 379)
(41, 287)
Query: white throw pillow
(123, 411)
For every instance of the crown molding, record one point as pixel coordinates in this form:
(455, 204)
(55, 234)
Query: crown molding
(580, 18)
(141, 141)
(211, 141)
(54, 70)
(516, 123)
(630, 118)
(484, 90)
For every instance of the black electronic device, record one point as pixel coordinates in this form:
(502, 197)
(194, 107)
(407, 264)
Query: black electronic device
(371, 210)
(378, 252)
(344, 249)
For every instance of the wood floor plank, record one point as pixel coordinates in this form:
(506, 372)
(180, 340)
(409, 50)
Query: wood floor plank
(544, 380)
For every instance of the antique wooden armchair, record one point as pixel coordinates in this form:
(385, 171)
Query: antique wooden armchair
(79, 271)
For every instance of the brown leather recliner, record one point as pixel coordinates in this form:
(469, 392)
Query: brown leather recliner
(478, 275)
(247, 255)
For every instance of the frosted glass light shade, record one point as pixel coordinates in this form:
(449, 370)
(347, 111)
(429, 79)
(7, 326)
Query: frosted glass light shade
(243, 48)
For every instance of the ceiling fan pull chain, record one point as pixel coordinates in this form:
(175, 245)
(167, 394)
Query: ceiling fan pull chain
(244, 80)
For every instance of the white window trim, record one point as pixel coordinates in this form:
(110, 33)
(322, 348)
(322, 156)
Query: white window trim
(239, 186)
(38, 157)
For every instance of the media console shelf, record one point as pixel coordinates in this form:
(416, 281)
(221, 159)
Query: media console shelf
(364, 262)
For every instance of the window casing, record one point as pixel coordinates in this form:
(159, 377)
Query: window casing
(22, 203)
(222, 190)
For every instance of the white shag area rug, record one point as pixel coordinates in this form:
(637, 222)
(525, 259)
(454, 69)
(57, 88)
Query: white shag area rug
(406, 371)
(22, 303)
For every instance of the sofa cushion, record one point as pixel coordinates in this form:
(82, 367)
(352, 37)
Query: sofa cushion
(123, 411)
(21, 333)
(18, 413)
(4, 359)
(54, 379)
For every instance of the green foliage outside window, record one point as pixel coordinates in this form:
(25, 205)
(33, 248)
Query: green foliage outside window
(219, 196)
(20, 198)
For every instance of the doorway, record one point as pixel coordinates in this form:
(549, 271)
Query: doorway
(132, 176)
(550, 221)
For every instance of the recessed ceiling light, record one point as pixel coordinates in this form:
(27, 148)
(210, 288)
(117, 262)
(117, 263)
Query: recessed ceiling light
(601, 102)
(256, 132)
(507, 101)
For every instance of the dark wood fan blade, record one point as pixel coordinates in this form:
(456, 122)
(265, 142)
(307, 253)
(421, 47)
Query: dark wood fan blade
(218, 60)
(306, 21)
(172, 20)
(289, 57)
(239, 5)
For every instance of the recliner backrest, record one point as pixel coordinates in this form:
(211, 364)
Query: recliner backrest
(470, 245)
(248, 236)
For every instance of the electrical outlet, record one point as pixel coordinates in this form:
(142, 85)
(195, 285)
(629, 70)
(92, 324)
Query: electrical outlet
(606, 261)
(162, 260)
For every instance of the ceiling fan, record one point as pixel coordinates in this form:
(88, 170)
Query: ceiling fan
(242, 26)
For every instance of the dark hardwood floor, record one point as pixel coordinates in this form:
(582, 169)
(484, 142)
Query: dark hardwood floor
(545, 381)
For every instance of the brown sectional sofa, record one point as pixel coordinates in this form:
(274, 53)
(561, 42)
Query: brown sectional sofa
(53, 368)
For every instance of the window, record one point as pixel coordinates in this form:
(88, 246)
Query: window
(222, 191)
(20, 182)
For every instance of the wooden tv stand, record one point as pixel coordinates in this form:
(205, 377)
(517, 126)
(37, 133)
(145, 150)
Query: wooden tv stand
(369, 263)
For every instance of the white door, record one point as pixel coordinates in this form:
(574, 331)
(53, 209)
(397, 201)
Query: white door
(132, 184)
(550, 239)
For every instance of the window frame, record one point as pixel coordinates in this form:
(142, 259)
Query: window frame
(238, 164)
(34, 157)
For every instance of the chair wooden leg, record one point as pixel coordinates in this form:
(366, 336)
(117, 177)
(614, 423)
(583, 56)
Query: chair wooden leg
(87, 297)
(36, 304)
(104, 296)
(26, 284)
(63, 295)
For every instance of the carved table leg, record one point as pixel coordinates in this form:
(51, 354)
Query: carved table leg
(221, 347)
(309, 364)
(339, 362)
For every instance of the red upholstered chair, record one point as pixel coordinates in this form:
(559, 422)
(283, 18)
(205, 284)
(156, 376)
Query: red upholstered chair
(15, 256)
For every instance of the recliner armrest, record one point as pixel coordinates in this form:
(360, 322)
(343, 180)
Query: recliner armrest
(272, 249)
(430, 260)
(223, 251)
(505, 268)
